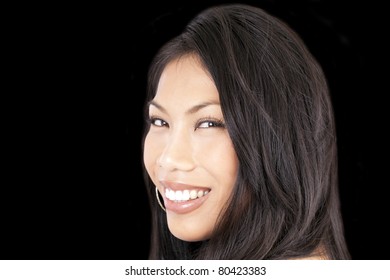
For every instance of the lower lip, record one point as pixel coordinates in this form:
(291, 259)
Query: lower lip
(185, 206)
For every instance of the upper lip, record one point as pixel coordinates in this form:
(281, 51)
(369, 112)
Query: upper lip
(176, 186)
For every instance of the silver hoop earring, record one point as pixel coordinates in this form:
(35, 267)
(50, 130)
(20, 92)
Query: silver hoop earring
(158, 200)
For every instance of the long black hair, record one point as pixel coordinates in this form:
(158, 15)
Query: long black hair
(278, 112)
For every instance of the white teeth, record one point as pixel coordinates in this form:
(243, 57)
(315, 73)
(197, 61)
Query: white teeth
(184, 195)
(171, 195)
(178, 195)
(193, 194)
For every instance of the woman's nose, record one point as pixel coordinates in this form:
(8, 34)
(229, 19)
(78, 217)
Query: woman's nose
(177, 153)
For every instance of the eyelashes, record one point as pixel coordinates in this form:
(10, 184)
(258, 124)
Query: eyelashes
(209, 122)
(155, 121)
(202, 123)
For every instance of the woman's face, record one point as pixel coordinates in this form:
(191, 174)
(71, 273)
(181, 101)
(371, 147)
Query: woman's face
(188, 152)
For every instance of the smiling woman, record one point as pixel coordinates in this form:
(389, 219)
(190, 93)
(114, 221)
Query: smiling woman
(188, 152)
(239, 148)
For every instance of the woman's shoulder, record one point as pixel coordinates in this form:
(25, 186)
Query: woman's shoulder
(316, 257)
(318, 254)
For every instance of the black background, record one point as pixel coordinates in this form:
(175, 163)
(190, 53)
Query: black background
(73, 185)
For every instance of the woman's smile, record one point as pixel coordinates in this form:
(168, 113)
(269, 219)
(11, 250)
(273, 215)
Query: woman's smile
(183, 198)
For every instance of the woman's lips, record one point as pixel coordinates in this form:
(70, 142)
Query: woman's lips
(183, 207)
(182, 198)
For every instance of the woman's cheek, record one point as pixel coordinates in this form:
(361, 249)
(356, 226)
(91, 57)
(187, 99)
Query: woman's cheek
(150, 153)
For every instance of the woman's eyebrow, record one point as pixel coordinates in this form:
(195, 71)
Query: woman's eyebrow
(158, 106)
(191, 110)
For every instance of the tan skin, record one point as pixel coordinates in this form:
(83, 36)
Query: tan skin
(188, 149)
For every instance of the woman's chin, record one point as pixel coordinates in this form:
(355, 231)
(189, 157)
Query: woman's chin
(189, 234)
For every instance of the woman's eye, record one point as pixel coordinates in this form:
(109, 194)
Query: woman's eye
(158, 122)
(209, 123)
